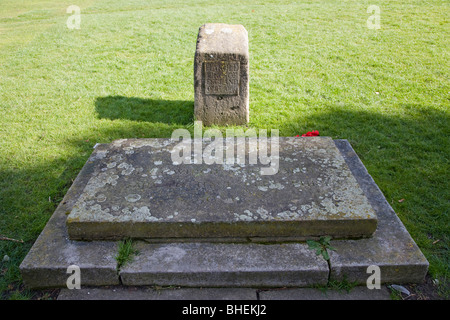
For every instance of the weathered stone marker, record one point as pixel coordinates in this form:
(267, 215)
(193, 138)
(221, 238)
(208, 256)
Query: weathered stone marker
(221, 75)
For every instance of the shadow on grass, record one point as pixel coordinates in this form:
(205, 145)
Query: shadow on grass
(28, 198)
(147, 110)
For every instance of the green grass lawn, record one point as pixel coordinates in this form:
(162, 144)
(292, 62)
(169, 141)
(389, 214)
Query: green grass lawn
(314, 65)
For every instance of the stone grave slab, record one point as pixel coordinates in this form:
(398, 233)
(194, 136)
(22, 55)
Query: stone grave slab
(391, 248)
(137, 191)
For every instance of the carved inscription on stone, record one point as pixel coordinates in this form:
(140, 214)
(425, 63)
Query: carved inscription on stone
(222, 77)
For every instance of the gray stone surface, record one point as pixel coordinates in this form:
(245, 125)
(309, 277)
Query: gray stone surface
(356, 293)
(47, 262)
(150, 293)
(224, 265)
(391, 248)
(241, 294)
(136, 191)
(221, 75)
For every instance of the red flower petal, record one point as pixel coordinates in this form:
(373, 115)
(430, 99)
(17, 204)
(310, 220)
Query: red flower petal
(310, 134)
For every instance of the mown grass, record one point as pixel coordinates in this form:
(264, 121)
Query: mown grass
(314, 65)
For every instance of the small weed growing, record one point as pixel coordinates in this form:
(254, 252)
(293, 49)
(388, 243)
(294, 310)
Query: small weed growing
(321, 247)
(125, 253)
